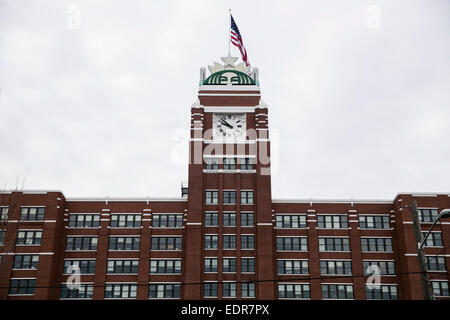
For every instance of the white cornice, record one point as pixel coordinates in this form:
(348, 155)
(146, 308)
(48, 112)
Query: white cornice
(29, 191)
(233, 94)
(229, 109)
(378, 201)
(331, 201)
(125, 199)
(180, 199)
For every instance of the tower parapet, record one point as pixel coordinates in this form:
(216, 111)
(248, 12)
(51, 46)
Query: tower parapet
(229, 74)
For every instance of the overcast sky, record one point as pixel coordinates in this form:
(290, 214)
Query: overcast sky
(360, 106)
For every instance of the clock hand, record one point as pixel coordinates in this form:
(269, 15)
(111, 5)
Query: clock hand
(223, 120)
(226, 124)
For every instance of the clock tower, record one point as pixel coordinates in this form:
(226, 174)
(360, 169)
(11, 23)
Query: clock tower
(229, 214)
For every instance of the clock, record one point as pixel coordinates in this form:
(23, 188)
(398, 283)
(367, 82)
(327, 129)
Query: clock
(229, 125)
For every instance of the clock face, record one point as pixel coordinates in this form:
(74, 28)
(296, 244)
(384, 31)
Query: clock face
(229, 125)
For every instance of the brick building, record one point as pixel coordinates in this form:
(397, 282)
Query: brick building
(224, 237)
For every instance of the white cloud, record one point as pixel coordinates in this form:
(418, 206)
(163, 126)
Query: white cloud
(360, 113)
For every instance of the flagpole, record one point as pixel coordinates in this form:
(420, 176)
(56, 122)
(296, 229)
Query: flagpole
(229, 33)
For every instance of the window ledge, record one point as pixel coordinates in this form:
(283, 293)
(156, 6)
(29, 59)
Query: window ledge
(67, 227)
(164, 274)
(333, 228)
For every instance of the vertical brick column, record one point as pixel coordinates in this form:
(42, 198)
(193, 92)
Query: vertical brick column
(196, 198)
(220, 235)
(51, 257)
(406, 251)
(12, 201)
(359, 287)
(263, 217)
(144, 255)
(102, 255)
(314, 255)
(238, 232)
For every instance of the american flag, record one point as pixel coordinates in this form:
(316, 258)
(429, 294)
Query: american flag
(236, 39)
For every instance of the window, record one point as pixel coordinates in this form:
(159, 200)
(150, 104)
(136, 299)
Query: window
(292, 243)
(386, 267)
(167, 220)
(229, 289)
(212, 197)
(440, 288)
(290, 221)
(332, 221)
(165, 266)
(247, 164)
(211, 241)
(81, 243)
(211, 219)
(84, 220)
(247, 289)
(247, 265)
(294, 291)
(210, 265)
(293, 267)
(32, 213)
(26, 261)
(124, 243)
(85, 266)
(374, 222)
(164, 290)
(247, 219)
(85, 291)
(334, 244)
(229, 164)
(210, 290)
(125, 220)
(436, 263)
(212, 164)
(246, 197)
(247, 241)
(120, 290)
(433, 240)
(122, 266)
(229, 265)
(2, 237)
(229, 241)
(4, 214)
(229, 219)
(337, 291)
(376, 244)
(428, 215)
(166, 243)
(22, 286)
(335, 267)
(31, 238)
(229, 197)
(385, 292)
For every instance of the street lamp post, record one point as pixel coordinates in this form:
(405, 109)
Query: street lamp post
(443, 214)
(427, 295)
